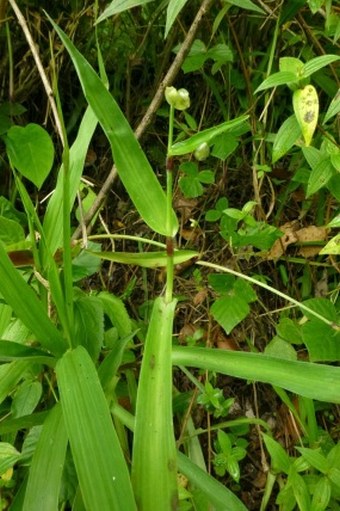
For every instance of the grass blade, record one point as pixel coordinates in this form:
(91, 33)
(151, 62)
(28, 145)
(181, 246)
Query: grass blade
(219, 495)
(132, 165)
(23, 300)
(53, 219)
(44, 479)
(154, 451)
(316, 381)
(102, 472)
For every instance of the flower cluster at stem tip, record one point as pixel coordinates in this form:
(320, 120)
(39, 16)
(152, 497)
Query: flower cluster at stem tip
(179, 99)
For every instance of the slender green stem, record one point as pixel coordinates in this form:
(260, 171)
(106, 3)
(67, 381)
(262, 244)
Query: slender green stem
(169, 239)
(272, 290)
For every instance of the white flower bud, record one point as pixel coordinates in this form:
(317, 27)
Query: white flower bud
(202, 152)
(179, 99)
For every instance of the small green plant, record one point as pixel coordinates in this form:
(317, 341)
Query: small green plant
(213, 401)
(309, 482)
(230, 449)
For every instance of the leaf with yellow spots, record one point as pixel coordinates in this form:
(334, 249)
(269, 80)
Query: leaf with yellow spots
(306, 109)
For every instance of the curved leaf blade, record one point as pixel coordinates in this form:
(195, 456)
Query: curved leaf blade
(132, 165)
(44, 478)
(154, 473)
(316, 381)
(102, 472)
(146, 259)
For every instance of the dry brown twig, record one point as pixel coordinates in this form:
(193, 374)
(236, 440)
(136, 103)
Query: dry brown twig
(48, 89)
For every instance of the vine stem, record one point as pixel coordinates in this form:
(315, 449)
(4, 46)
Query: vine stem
(270, 289)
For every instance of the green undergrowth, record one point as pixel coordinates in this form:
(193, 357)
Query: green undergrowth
(178, 347)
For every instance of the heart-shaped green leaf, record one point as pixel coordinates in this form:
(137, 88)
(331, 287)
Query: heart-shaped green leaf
(30, 150)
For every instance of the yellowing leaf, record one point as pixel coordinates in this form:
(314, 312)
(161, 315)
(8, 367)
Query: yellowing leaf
(306, 109)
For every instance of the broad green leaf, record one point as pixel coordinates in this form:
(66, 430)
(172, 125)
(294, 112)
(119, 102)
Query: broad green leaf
(279, 459)
(46, 469)
(154, 469)
(279, 348)
(247, 4)
(31, 152)
(300, 490)
(26, 398)
(322, 341)
(25, 303)
(334, 107)
(317, 381)
(8, 456)
(318, 63)
(146, 259)
(323, 307)
(279, 78)
(174, 8)
(322, 494)
(132, 165)
(228, 311)
(118, 6)
(306, 109)
(10, 231)
(189, 145)
(101, 468)
(314, 458)
(320, 175)
(291, 64)
(285, 138)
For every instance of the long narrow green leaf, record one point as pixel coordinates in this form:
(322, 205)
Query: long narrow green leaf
(132, 165)
(45, 473)
(206, 136)
(218, 494)
(13, 350)
(146, 259)
(25, 422)
(154, 452)
(53, 219)
(174, 8)
(118, 6)
(279, 78)
(102, 472)
(318, 63)
(23, 300)
(321, 382)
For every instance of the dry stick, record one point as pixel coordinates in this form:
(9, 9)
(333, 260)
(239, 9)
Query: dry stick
(154, 105)
(40, 67)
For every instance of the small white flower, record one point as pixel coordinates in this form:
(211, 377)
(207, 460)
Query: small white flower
(179, 99)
